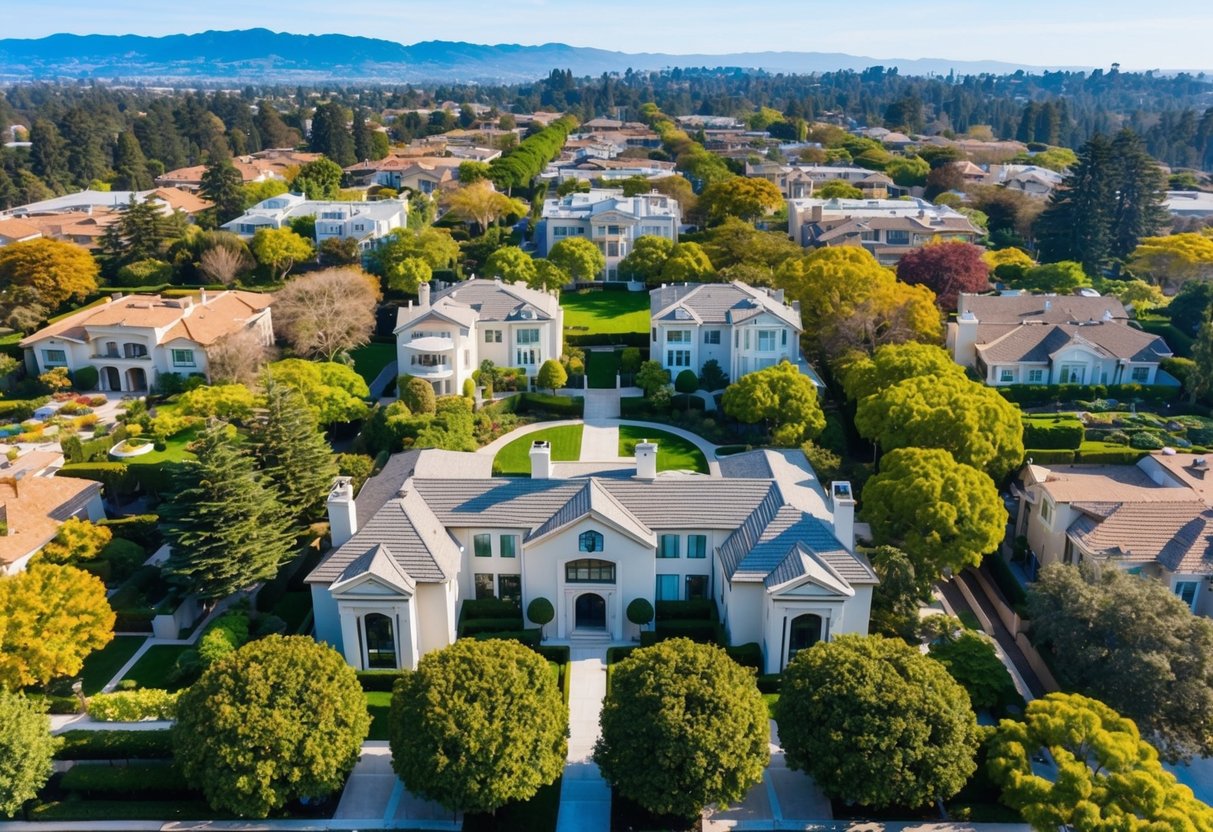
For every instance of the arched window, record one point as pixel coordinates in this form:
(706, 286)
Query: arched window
(805, 632)
(380, 642)
(590, 542)
(589, 571)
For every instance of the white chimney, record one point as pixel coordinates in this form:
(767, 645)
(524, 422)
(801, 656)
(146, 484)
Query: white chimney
(343, 515)
(646, 460)
(423, 295)
(541, 460)
(843, 499)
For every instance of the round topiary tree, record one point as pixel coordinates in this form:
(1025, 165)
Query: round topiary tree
(541, 612)
(478, 724)
(26, 751)
(417, 394)
(640, 612)
(875, 722)
(683, 727)
(687, 383)
(279, 719)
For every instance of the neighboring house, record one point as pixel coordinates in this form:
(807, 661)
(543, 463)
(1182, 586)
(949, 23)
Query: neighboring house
(190, 178)
(888, 228)
(1031, 180)
(1054, 339)
(588, 168)
(366, 222)
(444, 340)
(423, 175)
(34, 503)
(799, 181)
(610, 220)
(1154, 518)
(84, 202)
(18, 231)
(132, 340)
(1198, 204)
(764, 543)
(741, 327)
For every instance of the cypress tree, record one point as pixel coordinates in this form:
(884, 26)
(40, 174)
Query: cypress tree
(223, 185)
(292, 452)
(226, 526)
(331, 136)
(85, 158)
(130, 166)
(362, 136)
(48, 154)
(1076, 224)
(1140, 191)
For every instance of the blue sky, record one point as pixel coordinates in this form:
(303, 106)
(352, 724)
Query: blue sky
(1169, 34)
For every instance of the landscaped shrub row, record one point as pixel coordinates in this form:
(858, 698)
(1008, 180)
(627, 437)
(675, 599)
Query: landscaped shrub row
(489, 608)
(156, 780)
(1049, 456)
(1092, 456)
(476, 626)
(1042, 393)
(133, 705)
(746, 655)
(530, 637)
(703, 609)
(696, 629)
(143, 529)
(381, 681)
(59, 705)
(1057, 432)
(607, 339)
(542, 404)
(77, 450)
(18, 410)
(115, 745)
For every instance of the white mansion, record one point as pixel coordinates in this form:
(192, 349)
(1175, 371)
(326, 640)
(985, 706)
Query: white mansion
(443, 340)
(366, 222)
(764, 542)
(609, 220)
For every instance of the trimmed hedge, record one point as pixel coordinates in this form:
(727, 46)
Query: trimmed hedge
(701, 609)
(1108, 456)
(381, 681)
(1043, 393)
(558, 653)
(156, 780)
(18, 410)
(143, 529)
(530, 637)
(115, 476)
(747, 655)
(489, 608)
(133, 705)
(1046, 456)
(618, 654)
(1061, 432)
(704, 632)
(115, 745)
(608, 339)
(476, 626)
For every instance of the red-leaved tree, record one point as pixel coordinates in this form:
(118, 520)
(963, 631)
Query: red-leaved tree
(947, 269)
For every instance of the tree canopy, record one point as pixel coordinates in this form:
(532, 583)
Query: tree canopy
(971, 659)
(742, 197)
(893, 363)
(1130, 642)
(947, 269)
(323, 314)
(478, 724)
(37, 276)
(279, 719)
(940, 512)
(644, 262)
(481, 204)
(687, 263)
(27, 751)
(1107, 777)
(512, 265)
(578, 258)
(876, 723)
(781, 397)
(292, 452)
(279, 249)
(1173, 260)
(335, 392)
(319, 179)
(683, 727)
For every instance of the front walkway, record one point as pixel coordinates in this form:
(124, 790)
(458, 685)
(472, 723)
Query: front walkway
(600, 442)
(585, 798)
(601, 404)
(376, 798)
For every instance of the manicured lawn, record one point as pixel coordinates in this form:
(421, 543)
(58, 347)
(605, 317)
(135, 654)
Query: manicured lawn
(610, 313)
(514, 460)
(95, 810)
(770, 699)
(370, 359)
(601, 367)
(176, 449)
(101, 666)
(155, 668)
(377, 703)
(673, 452)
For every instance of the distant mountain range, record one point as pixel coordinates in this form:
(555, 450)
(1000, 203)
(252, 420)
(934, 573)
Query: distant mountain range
(262, 55)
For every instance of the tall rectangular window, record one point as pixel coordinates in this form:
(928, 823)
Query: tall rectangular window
(667, 546)
(484, 585)
(697, 546)
(482, 545)
(509, 545)
(697, 587)
(667, 588)
(1141, 375)
(1036, 376)
(1186, 590)
(766, 340)
(678, 358)
(509, 588)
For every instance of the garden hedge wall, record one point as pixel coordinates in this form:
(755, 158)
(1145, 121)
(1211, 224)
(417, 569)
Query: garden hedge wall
(115, 745)
(1029, 394)
(1057, 432)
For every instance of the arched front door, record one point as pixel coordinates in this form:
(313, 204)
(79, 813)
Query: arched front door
(111, 379)
(380, 642)
(136, 379)
(804, 633)
(590, 612)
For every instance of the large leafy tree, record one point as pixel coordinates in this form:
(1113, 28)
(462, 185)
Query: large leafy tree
(683, 727)
(782, 398)
(644, 262)
(225, 525)
(277, 720)
(319, 179)
(877, 723)
(738, 243)
(1173, 260)
(548, 277)
(850, 302)
(940, 512)
(578, 258)
(972, 661)
(893, 363)
(51, 618)
(292, 451)
(36, 276)
(279, 249)
(1108, 778)
(481, 204)
(976, 424)
(511, 264)
(326, 313)
(335, 392)
(947, 269)
(741, 197)
(27, 751)
(432, 245)
(479, 724)
(687, 263)
(1130, 642)
(1060, 278)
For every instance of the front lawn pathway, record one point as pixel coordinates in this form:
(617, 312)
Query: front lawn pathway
(585, 798)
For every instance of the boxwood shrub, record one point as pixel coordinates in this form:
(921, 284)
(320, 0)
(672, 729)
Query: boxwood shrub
(133, 705)
(157, 780)
(115, 745)
(746, 655)
(1059, 432)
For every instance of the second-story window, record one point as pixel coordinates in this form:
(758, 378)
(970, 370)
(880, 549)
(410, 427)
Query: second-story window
(590, 542)
(678, 336)
(711, 336)
(697, 546)
(766, 340)
(183, 358)
(667, 546)
(492, 336)
(527, 336)
(482, 545)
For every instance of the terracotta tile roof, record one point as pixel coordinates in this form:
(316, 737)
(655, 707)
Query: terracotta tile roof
(1177, 535)
(180, 200)
(1107, 483)
(1191, 469)
(16, 229)
(1057, 309)
(35, 507)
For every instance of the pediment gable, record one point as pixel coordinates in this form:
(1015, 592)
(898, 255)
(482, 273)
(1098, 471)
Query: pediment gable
(364, 586)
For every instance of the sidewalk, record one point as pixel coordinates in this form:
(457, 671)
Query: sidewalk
(375, 798)
(585, 798)
(600, 442)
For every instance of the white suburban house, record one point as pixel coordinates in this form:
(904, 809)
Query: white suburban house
(609, 220)
(366, 222)
(799, 181)
(1154, 518)
(134, 339)
(764, 542)
(741, 327)
(444, 339)
(1054, 339)
(34, 503)
(889, 228)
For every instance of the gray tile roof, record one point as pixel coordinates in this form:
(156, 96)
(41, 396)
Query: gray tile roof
(385, 485)
(1037, 342)
(593, 498)
(380, 562)
(763, 543)
(718, 303)
(496, 300)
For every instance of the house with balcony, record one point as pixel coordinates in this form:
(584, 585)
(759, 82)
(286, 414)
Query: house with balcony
(888, 228)
(449, 332)
(765, 542)
(1153, 519)
(743, 328)
(610, 220)
(365, 222)
(1054, 339)
(133, 340)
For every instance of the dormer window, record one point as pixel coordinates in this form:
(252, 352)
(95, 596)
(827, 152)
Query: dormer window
(590, 541)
